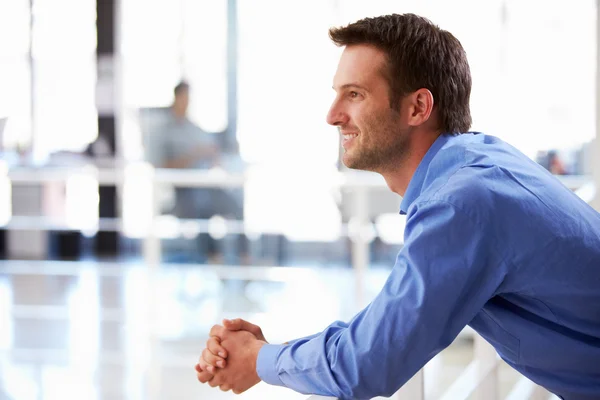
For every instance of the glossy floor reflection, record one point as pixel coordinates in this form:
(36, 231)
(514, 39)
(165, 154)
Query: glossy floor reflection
(96, 331)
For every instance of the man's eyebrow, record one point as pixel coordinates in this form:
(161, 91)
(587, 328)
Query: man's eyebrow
(351, 85)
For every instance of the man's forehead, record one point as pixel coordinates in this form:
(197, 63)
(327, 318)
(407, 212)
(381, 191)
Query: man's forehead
(359, 64)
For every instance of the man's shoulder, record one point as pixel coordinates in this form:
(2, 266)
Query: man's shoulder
(473, 189)
(475, 171)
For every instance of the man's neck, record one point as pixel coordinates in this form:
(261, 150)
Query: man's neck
(399, 178)
(178, 112)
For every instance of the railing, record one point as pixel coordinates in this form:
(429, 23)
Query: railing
(360, 185)
(480, 378)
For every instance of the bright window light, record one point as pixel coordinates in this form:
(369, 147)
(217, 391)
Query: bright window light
(65, 116)
(82, 202)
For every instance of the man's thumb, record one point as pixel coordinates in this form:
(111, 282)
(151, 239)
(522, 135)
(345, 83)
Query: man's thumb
(232, 324)
(239, 324)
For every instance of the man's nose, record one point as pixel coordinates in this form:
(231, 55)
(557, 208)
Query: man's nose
(336, 115)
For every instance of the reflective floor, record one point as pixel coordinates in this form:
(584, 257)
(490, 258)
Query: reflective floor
(86, 330)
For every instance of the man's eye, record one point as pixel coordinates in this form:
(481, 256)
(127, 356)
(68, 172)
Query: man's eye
(354, 95)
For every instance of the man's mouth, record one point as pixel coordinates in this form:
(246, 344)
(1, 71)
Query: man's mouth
(347, 139)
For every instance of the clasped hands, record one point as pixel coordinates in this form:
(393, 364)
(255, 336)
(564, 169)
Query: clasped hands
(229, 359)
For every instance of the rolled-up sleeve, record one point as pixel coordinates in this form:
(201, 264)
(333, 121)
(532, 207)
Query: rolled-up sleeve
(446, 271)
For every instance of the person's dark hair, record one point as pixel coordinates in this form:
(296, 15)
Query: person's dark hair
(420, 55)
(181, 87)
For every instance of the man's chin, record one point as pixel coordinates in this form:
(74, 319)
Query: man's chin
(348, 163)
(356, 165)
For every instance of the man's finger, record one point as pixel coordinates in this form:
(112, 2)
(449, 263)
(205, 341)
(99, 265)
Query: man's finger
(216, 330)
(204, 376)
(205, 367)
(216, 381)
(214, 345)
(212, 383)
(225, 387)
(239, 324)
(211, 360)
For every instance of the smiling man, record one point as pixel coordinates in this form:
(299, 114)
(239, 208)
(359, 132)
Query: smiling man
(492, 240)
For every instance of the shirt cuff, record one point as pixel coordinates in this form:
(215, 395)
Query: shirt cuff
(266, 364)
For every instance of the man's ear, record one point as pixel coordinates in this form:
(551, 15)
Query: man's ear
(420, 106)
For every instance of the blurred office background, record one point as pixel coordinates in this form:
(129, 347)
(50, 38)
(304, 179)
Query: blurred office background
(108, 291)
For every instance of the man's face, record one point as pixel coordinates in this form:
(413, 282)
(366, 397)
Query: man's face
(182, 100)
(372, 133)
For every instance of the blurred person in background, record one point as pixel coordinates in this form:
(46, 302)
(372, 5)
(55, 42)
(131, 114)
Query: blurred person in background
(555, 164)
(492, 239)
(180, 144)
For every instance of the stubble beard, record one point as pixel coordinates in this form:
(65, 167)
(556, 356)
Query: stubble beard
(387, 147)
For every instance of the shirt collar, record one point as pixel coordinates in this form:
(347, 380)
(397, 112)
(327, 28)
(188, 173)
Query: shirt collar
(415, 186)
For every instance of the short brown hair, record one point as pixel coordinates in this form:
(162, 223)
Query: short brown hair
(420, 55)
(181, 87)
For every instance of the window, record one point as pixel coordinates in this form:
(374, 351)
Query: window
(549, 86)
(286, 67)
(64, 75)
(15, 75)
(164, 41)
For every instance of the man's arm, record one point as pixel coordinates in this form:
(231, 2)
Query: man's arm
(443, 276)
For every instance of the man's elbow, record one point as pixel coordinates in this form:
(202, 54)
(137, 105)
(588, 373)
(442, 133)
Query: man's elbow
(368, 386)
(355, 389)
(355, 393)
(363, 392)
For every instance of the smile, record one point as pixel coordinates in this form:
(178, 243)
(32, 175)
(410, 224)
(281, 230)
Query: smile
(347, 139)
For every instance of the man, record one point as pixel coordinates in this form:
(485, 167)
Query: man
(492, 240)
(180, 144)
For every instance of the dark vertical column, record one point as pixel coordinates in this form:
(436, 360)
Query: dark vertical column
(106, 242)
(3, 254)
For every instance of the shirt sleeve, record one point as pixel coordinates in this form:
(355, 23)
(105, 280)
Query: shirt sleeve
(445, 273)
(335, 324)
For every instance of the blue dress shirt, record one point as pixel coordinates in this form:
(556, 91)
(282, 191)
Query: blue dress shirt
(492, 241)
